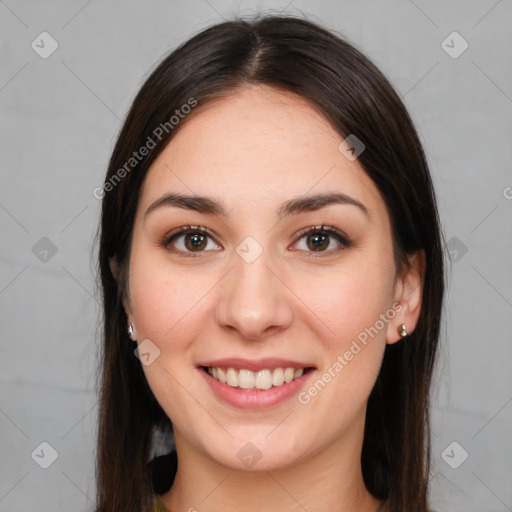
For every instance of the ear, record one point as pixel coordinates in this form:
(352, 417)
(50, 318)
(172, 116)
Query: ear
(114, 268)
(408, 292)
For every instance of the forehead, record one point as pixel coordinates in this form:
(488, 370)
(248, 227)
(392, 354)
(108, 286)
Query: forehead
(255, 148)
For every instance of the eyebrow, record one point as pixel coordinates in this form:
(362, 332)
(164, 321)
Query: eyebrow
(294, 206)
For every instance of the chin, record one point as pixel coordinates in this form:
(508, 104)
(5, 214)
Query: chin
(258, 454)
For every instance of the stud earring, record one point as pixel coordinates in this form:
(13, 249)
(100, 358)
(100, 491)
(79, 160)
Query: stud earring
(130, 330)
(402, 330)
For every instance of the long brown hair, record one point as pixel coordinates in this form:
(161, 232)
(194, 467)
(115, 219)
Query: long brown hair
(301, 57)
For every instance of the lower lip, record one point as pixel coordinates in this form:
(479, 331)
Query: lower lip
(256, 399)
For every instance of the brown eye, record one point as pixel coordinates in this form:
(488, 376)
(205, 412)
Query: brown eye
(189, 239)
(195, 241)
(319, 239)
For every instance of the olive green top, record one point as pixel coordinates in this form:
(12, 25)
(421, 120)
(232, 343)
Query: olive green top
(158, 506)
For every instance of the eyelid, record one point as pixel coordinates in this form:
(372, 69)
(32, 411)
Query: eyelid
(186, 228)
(323, 228)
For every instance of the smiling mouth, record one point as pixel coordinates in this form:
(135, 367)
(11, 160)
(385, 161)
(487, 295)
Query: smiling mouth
(261, 380)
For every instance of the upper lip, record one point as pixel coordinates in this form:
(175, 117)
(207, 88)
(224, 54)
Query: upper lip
(255, 364)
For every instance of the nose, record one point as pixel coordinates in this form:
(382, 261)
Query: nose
(254, 300)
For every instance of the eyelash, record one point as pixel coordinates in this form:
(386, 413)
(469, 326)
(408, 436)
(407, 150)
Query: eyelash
(188, 229)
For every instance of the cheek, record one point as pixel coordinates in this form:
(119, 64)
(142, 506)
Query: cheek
(164, 300)
(350, 298)
(351, 303)
(165, 308)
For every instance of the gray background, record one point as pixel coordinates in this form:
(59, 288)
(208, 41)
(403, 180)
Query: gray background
(59, 119)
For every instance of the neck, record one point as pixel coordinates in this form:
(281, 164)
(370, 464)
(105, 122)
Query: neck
(327, 480)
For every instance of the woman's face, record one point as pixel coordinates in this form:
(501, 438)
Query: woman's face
(259, 293)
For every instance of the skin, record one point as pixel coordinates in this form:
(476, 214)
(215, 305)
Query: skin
(254, 150)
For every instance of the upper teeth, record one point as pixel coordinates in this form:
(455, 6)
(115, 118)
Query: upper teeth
(247, 379)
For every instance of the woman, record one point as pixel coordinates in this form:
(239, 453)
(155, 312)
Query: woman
(270, 244)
